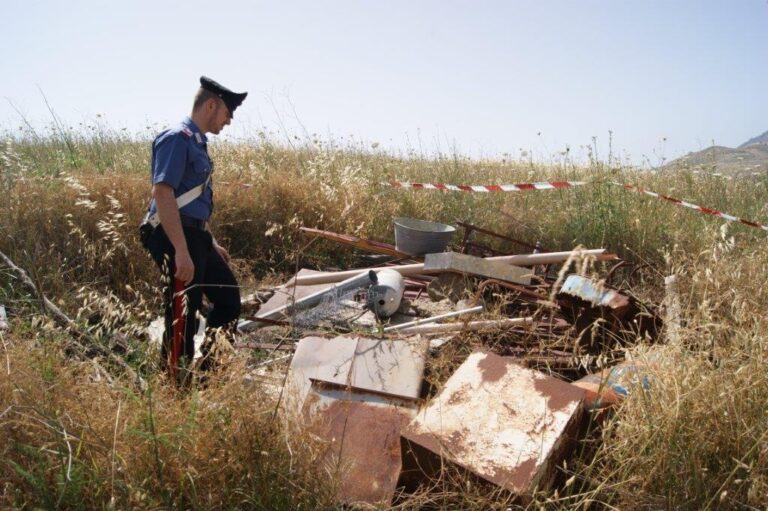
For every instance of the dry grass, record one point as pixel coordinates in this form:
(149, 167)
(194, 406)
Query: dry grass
(73, 439)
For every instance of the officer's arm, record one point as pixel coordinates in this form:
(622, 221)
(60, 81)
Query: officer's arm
(221, 250)
(168, 211)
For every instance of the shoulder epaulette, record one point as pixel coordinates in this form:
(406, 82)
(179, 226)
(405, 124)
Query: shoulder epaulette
(187, 132)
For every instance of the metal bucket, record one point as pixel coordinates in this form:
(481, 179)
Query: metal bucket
(419, 237)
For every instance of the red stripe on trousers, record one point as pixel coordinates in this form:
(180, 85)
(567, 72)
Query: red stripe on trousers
(179, 324)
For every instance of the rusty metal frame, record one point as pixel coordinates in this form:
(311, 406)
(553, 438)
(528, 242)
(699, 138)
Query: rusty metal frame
(529, 295)
(470, 228)
(635, 268)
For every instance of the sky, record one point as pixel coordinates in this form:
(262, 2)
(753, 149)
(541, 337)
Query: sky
(486, 79)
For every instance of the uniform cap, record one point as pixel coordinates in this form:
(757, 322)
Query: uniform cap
(231, 99)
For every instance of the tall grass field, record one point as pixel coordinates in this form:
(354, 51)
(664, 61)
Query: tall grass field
(78, 433)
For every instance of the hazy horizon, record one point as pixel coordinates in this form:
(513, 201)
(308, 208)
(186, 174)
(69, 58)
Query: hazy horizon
(481, 79)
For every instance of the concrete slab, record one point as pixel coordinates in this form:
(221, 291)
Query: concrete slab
(393, 367)
(317, 358)
(506, 424)
(464, 263)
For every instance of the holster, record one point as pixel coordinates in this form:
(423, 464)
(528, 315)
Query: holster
(145, 230)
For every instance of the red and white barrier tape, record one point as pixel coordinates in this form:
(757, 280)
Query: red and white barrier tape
(700, 209)
(559, 185)
(519, 187)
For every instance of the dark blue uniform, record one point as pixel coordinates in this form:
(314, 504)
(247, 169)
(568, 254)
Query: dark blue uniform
(180, 160)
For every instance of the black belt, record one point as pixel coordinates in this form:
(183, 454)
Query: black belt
(195, 223)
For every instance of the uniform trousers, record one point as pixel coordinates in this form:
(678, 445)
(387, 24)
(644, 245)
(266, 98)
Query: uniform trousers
(213, 278)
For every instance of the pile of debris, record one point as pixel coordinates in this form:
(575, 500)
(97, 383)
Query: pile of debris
(510, 413)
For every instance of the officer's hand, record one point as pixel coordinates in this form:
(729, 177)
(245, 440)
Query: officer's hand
(185, 268)
(222, 252)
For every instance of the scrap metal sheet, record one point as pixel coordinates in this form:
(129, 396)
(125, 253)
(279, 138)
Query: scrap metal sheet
(362, 431)
(588, 290)
(287, 294)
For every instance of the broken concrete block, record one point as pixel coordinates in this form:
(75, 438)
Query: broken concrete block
(507, 424)
(464, 263)
(362, 431)
(393, 367)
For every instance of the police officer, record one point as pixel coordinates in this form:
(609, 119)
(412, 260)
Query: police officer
(190, 259)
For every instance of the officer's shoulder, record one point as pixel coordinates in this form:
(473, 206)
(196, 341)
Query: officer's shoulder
(178, 133)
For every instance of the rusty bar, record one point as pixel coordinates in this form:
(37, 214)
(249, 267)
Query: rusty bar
(465, 242)
(496, 234)
(377, 247)
(482, 249)
(272, 346)
(266, 320)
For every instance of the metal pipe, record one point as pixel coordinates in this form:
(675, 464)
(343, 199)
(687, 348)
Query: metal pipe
(472, 326)
(422, 321)
(418, 269)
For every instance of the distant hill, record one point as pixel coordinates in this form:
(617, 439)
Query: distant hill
(760, 139)
(749, 157)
